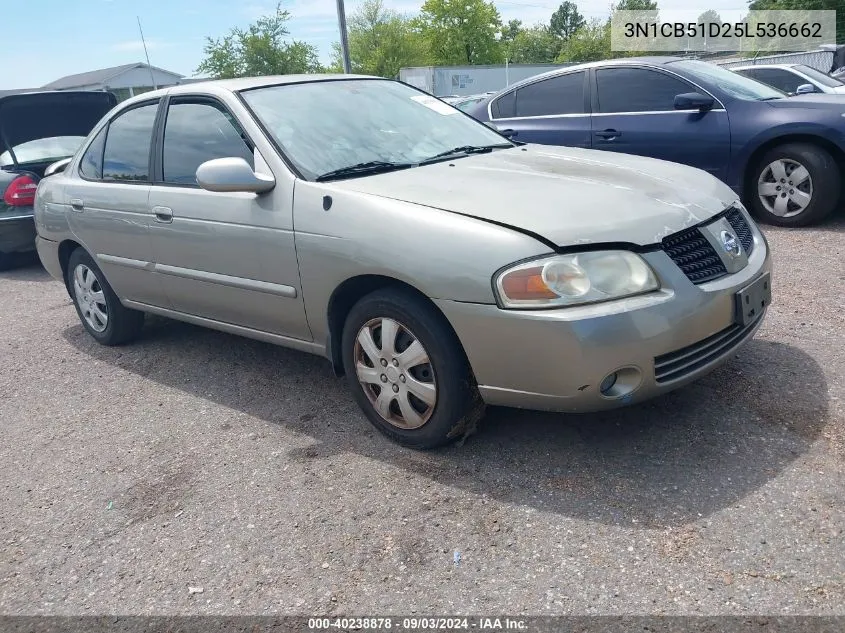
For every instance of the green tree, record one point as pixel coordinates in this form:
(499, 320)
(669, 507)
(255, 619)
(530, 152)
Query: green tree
(566, 20)
(510, 31)
(260, 49)
(635, 5)
(590, 43)
(381, 41)
(699, 42)
(536, 45)
(806, 5)
(462, 31)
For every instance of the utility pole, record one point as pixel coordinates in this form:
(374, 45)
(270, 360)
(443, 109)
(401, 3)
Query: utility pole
(344, 41)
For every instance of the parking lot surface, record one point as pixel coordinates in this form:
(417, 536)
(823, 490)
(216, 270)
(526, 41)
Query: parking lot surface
(198, 472)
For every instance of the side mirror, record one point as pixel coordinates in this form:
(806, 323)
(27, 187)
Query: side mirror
(232, 174)
(804, 89)
(693, 101)
(57, 167)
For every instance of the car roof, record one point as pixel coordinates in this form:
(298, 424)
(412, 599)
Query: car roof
(217, 86)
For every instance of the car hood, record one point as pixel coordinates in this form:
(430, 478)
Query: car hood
(31, 116)
(816, 101)
(567, 196)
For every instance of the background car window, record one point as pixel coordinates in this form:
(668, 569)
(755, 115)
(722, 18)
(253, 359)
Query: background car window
(819, 77)
(43, 150)
(780, 79)
(506, 106)
(91, 166)
(558, 95)
(127, 154)
(638, 90)
(198, 132)
(726, 80)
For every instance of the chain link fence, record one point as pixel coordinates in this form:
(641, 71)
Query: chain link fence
(820, 60)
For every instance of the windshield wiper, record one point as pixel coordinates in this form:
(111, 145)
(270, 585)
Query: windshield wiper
(466, 150)
(362, 169)
(772, 98)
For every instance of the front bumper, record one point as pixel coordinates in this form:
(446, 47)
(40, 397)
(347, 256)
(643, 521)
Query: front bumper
(556, 359)
(17, 232)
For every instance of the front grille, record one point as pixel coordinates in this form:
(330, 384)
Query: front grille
(743, 231)
(694, 255)
(687, 360)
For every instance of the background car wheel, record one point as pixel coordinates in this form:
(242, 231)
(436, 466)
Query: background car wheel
(99, 309)
(407, 370)
(795, 185)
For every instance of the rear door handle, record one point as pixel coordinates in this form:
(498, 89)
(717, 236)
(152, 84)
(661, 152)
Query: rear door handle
(608, 134)
(163, 214)
(76, 204)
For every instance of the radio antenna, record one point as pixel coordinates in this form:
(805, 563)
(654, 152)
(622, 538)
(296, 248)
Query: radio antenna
(152, 77)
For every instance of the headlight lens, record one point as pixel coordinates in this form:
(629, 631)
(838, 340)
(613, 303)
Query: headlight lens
(566, 280)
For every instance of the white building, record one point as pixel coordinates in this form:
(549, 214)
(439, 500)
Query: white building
(123, 81)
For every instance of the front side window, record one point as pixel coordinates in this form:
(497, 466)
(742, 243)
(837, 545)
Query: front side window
(781, 79)
(198, 132)
(323, 126)
(127, 155)
(638, 90)
(558, 95)
(91, 166)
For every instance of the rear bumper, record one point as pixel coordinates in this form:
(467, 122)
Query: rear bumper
(557, 359)
(48, 253)
(17, 233)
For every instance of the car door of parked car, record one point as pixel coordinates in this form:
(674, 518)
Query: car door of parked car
(228, 257)
(551, 111)
(109, 210)
(634, 113)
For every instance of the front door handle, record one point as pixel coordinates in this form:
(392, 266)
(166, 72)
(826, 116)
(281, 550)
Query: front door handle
(77, 205)
(163, 214)
(609, 134)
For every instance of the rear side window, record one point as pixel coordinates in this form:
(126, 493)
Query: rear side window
(196, 133)
(127, 155)
(505, 106)
(558, 95)
(638, 90)
(91, 166)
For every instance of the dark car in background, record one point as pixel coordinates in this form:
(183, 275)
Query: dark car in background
(783, 155)
(36, 130)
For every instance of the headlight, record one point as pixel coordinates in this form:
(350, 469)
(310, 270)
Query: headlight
(566, 280)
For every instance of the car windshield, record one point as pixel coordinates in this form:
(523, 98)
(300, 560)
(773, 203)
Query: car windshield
(323, 126)
(734, 84)
(43, 150)
(818, 77)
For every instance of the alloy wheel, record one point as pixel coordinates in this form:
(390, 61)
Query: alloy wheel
(90, 298)
(395, 373)
(785, 188)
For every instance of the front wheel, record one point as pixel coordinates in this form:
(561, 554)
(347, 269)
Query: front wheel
(407, 370)
(98, 307)
(796, 184)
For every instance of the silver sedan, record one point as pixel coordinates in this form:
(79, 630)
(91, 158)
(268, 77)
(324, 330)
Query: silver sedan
(436, 264)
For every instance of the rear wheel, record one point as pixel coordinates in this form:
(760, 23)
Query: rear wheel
(795, 184)
(408, 371)
(99, 309)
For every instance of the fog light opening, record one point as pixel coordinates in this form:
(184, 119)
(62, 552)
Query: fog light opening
(607, 384)
(621, 383)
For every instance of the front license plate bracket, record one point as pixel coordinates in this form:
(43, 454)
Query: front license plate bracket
(753, 299)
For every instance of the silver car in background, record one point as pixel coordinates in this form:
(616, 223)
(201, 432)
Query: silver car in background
(437, 265)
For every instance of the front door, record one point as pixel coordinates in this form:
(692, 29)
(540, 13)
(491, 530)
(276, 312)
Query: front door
(228, 257)
(634, 113)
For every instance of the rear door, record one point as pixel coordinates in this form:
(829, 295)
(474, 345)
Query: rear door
(552, 111)
(634, 113)
(109, 203)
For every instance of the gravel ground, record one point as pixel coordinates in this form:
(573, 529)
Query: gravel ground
(133, 477)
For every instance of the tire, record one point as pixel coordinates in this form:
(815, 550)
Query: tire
(450, 406)
(822, 184)
(94, 299)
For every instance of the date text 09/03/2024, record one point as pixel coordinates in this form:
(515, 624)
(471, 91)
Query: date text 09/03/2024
(417, 624)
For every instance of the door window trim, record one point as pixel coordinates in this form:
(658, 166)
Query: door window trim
(106, 126)
(158, 149)
(660, 69)
(586, 95)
